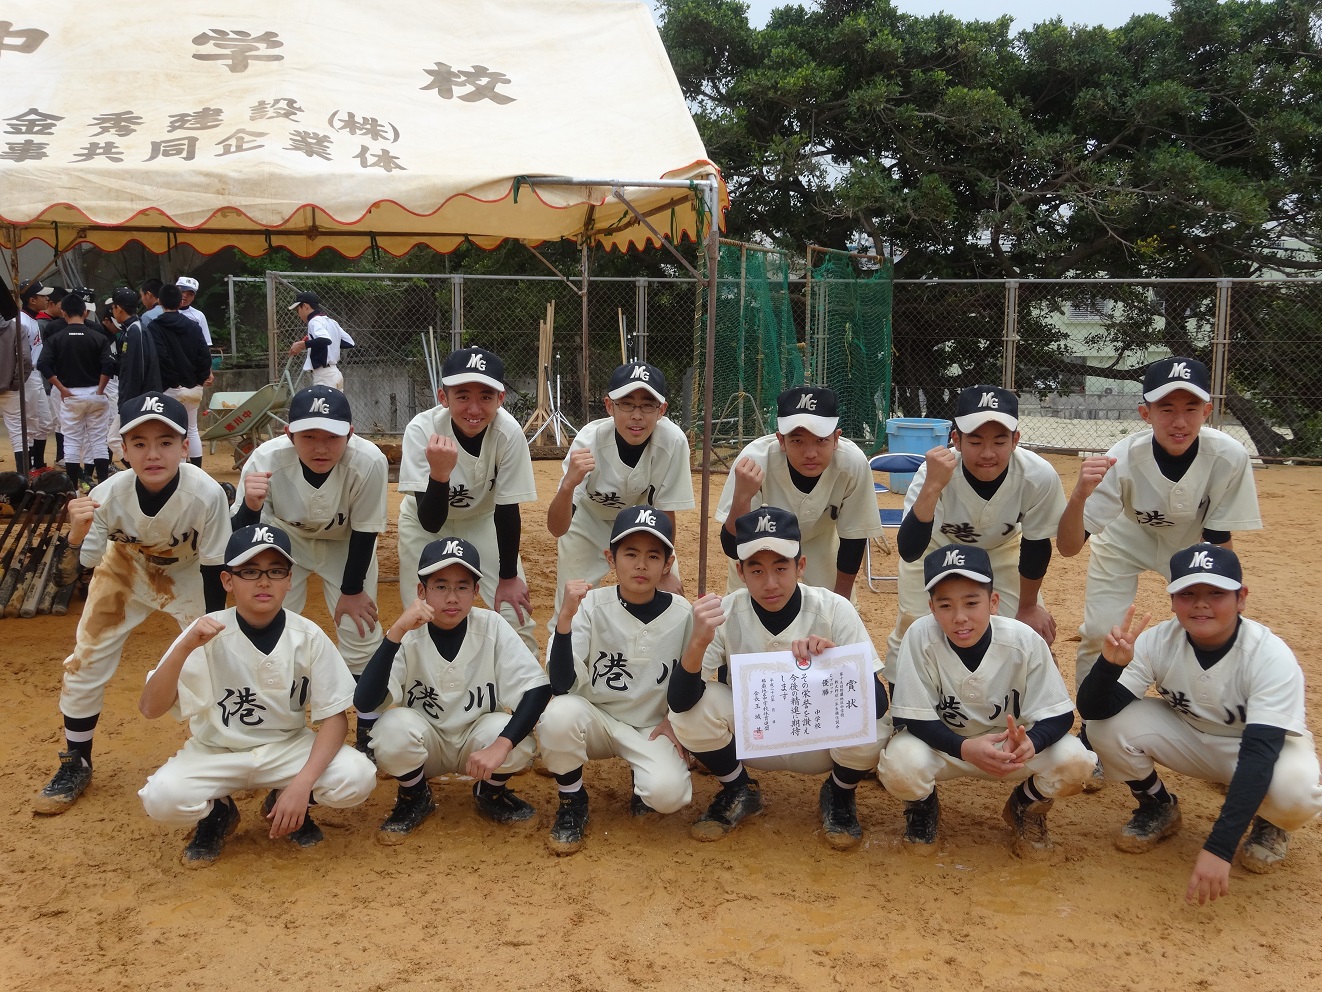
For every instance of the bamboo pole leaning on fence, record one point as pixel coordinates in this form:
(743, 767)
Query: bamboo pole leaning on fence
(541, 415)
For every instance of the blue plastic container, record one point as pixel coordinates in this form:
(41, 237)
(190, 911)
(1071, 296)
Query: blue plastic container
(917, 436)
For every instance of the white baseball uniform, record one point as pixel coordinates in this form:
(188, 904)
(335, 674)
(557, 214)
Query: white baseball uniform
(709, 725)
(1196, 725)
(1017, 676)
(622, 670)
(500, 474)
(442, 711)
(43, 420)
(248, 715)
(1026, 506)
(143, 564)
(842, 504)
(319, 522)
(1138, 518)
(661, 478)
(200, 319)
(328, 329)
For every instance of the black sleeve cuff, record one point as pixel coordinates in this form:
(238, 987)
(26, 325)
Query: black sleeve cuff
(1258, 751)
(1101, 695)
(913, 538)
(1046, 732)
(526, 714)
(509, 531)
(560, 668)
(879, 695)
(320, 349)
(1034, 557)
(1216, 536)
(362, 548)
(936, 735)
(849, 556)
(213, 590)
(374, 684)
(685, 689)
(729, 545)
(244, 517)
(433, 506)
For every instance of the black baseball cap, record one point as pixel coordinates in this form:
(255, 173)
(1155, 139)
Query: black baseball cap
(473, 365)
(638, 375)
(1205, 564)
(152, 406)
(309, 298)
(320, 408)
(642, 518)
(1170, 374)
(971, 562)
(31, 288)
(768, 528)
(449, 551)
(125, 298)
(247, 543)
(814, 407)
(978, 405)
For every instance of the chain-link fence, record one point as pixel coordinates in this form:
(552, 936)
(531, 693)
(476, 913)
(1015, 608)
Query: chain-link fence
(1073, 350)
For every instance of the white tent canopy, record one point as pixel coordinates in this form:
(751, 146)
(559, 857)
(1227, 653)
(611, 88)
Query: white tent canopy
(303, 125)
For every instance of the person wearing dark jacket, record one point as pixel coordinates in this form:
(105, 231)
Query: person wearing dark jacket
(185, 362)
(139, 370)
(78, 363)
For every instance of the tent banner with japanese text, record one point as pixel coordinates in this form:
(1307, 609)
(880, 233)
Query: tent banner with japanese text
(786, 705)
(305, 124)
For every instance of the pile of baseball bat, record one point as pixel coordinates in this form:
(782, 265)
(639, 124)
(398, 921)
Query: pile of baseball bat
(33, 541)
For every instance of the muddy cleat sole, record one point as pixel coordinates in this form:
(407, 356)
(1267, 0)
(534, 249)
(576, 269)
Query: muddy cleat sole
(839, 811)
(571, 820)
(1265, 847)
(209, 835)
(922, 819)
(500, 805)
(411, 809)
(68, 783)
(1152, 822)
(732, 805)
(1028, 825)
(1095, 782)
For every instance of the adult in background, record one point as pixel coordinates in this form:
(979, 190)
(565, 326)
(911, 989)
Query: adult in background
(185, 362)
(321, 345)
(188, 288)
(41, 410)
(78, 362)
(15, 365)
(135, 354)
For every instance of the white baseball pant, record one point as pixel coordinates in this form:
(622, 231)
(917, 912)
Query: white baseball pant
(572, 731)
(328, 375)
(404, 740)
(1110, 589)
(191, 399)
(42, 420)
(182, 790)
(9, 408)
(1148, 732)
(326, 559)
(113, 445)
(83, 420)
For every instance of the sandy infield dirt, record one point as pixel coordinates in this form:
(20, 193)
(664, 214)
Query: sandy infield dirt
(96, 899)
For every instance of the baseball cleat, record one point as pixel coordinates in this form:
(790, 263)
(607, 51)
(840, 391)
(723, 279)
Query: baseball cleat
(1264, 848)
(308, 833)
(732, 804)
(839, 817)
(499, 804)
(412, 806)
(230, 492)
(210, 833)
(1095, 782)
(571, 819)
(1028, 822)
(922, 818)
(638, 808)
(362, 740)
(68, 783)
(1151, 822)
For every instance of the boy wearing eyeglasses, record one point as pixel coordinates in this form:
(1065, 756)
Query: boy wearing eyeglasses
(635, 456)
(245, 679)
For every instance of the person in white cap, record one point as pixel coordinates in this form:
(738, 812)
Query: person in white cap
(1229, 709)
(983, 491)
(42, 409)
(824, 479)
(321, 345)
(188, 287)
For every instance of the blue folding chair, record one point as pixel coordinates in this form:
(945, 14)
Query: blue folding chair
(894, 461)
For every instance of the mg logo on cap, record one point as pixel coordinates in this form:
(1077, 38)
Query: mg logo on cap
(263, 535)
(153, 404)
(954, 557)
(319, 405)
(453, 547)
(476, 361)
(1201, 559)
(1179, 370)
(765, 523)
(646, 517)
(807, 402)
(989, 399)
(640, 372)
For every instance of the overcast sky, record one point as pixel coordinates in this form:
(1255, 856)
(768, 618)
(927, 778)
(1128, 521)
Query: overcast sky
(1026, 13)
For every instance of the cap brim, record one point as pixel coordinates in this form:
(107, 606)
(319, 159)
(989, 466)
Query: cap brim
(137, 421)
(436, 566)
(253, 550)
(633, 387)
(643, 529)
(781, 546)
(972, 421)
(461, 378)
(337, 427)
(1215, 581)
(295, 305)
(1166, 388)
(966, 573)
(819, 426)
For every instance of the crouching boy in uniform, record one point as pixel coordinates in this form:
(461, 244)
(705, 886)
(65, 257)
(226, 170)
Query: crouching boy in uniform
(244, 679)
(775, 611)
(450, 672)
(1231, 710)
(979, 696)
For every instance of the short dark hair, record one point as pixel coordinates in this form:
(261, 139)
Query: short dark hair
(152, 286)
(73, 305)
(171, 296)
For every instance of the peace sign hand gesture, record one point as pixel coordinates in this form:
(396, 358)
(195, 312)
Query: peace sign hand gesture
(1118, 648)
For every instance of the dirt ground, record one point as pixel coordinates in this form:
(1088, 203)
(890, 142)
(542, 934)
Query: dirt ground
(97, 900)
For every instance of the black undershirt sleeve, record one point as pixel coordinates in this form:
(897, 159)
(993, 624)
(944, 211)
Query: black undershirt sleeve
(213, 590)
(509, 530)
(936, 735)
(320, 349)
(849, 556)
(1034, 557)
(433, 506)
(1101, 695)
(685, 689)
(560, 667)
(729, 544)
(1046, 732)
(879, 695)
(913, 537)
(526, 714)
(244, 517)
(374, 684)
(1258, 750)
(1216, 536)
(362, 548)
